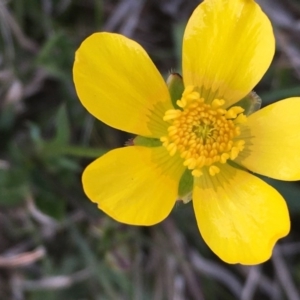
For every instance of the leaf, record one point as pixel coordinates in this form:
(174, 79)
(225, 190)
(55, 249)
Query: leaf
(176, 87)
(62, 127)
(13, 186)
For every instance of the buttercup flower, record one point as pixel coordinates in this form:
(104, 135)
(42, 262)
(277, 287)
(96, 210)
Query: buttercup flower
(198, 140)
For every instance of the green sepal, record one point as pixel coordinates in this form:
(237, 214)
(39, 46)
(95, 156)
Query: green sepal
(186, 186)
(251, 103)
(176, 87)
(146, 142)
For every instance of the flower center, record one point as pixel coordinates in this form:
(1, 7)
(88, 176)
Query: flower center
(205, 135)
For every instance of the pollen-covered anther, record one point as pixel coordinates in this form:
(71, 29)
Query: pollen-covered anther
(181, 103)
(205, 135)
(213, 170)
(240, 144)
(233, 112)
(240, 119)
(217, 103)
(224, 158)
(171, 114)
(172, 130)
(172, 149)
(197, 173)
(190, 163)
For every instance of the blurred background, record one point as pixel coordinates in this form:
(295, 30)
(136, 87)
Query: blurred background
(54, 243)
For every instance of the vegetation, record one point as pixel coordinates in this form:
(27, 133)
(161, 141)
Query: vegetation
(54, 243)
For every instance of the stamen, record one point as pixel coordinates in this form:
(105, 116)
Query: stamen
(205, 135)
(241, 118)
(172, 114)
(224, 158)
(172, 149)
(197, 173)
(181, 103)
(213, 170)
(217, 103)
(233, 112)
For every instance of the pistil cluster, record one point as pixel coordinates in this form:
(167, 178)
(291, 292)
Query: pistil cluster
(205, 135)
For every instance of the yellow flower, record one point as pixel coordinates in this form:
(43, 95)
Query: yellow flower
(203, 143)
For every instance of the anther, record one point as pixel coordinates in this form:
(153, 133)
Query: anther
(213, 170)
(203, 134)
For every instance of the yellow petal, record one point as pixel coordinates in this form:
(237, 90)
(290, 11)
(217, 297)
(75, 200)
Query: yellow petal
(118, 83)
(242, 219)
(134, 185)
(227, 47)
(274, 147)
